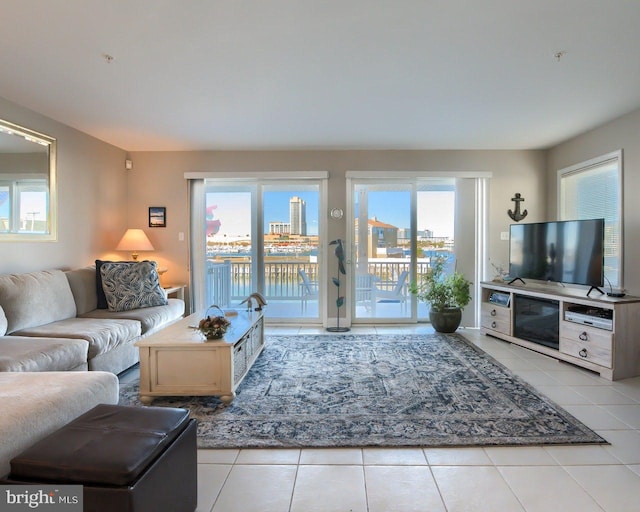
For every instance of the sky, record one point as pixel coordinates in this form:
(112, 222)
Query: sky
(234, 210)
(435, 210)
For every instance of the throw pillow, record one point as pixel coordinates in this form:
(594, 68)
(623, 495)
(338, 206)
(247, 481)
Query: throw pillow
(3, 322)
(132, 285)
(102, 299)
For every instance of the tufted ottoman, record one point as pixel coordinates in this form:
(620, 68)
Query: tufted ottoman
(127, 458)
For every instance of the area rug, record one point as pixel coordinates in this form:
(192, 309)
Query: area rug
(359, 390)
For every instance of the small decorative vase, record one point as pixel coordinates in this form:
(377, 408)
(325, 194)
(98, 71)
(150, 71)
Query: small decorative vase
(445, 320)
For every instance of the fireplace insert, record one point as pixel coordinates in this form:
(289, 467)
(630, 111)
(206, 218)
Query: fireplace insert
(537, 320)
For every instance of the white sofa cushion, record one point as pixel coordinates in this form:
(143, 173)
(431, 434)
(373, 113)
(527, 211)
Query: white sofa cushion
(35, 298)
(151, 319)
(28, 354)
(83, 286)
(35, 404)
(103, 335)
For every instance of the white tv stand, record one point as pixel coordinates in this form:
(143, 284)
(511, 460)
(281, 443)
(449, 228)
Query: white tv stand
(613, 353)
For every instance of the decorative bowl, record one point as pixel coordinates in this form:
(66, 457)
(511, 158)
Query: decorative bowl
(214, 327)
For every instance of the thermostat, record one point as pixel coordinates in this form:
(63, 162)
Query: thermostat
(336, 213)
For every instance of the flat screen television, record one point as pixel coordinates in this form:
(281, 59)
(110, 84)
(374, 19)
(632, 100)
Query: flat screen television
(564, 251)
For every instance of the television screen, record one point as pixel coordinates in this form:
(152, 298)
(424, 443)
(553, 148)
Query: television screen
(564, 251)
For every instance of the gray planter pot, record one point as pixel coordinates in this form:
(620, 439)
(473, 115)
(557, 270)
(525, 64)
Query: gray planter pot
(445, 320)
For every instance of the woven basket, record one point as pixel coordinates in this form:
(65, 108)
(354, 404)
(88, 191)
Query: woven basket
(214, 327)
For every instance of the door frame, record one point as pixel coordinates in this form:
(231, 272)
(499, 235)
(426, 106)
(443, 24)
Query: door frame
(258, 179)
(480, 223)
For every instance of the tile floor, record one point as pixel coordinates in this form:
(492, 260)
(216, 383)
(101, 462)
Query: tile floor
(532, 479)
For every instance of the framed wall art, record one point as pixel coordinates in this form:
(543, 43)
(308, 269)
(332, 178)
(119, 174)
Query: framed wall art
(157, 217)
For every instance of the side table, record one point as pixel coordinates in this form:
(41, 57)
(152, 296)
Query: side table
(175, 290)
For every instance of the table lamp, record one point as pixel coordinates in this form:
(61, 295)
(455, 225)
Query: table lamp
(134, 240)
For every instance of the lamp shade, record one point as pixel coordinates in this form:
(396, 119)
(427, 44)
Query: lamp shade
(134, 240)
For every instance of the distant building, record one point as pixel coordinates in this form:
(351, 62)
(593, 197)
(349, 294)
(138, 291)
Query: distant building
(279, 228)
(298, 216)
(404, 234)
(380, 235)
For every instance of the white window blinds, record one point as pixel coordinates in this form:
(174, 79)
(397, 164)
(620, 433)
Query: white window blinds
(593, 190)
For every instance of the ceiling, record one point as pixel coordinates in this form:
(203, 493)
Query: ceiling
(323, 74)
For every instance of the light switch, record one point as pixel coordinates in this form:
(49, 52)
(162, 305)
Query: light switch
(504, 235)
(181, 236)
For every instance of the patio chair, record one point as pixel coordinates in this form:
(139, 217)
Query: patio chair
(309, 290)
(364, 288)
(397, 294)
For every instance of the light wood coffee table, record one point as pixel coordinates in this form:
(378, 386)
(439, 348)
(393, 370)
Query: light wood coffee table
(179, 361)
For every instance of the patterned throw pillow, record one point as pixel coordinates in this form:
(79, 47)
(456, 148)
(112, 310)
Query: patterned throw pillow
(131, 285)
(3, 322)
(102, 299)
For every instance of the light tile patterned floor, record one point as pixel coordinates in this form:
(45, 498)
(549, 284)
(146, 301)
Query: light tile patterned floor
(505, 479)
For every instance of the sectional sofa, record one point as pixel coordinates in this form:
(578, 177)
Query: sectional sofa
(50, 321)
(52, 329)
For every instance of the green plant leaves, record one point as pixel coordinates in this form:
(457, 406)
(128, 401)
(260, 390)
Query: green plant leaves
(340, 302)
(442, 291)
(336, 281)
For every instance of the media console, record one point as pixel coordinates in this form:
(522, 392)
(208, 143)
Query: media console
(597, 333)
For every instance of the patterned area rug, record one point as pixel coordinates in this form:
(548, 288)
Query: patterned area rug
(359, 390)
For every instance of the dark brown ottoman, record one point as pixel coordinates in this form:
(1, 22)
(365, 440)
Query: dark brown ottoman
(137, 459)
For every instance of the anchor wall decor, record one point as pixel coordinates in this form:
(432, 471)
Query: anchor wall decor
(516, 215)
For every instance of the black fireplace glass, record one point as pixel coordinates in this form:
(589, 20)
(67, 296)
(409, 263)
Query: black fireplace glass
(537, 320)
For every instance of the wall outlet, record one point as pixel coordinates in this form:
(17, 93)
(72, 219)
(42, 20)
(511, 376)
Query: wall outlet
(504, 235)
(181, 236)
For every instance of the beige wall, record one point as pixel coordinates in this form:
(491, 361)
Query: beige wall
(622, 133)
(157, 179)
(92, 206)
(98, 199)
(30, 163)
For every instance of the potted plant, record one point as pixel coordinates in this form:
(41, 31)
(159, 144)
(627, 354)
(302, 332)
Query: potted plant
(446, 295)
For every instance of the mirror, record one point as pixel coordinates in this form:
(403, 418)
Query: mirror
(27, 185)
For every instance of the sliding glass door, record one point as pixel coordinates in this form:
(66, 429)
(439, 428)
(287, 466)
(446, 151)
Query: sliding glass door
(264, 237)
(231, 271)
(399, 229)
(383, 258)
(290, 266)
(435, 238)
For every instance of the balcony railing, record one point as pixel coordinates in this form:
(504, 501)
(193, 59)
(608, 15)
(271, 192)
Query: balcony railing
(230, 281)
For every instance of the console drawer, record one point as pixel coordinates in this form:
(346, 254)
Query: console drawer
(586, 335)
(590, 343)
(583, 350)
(496, 318)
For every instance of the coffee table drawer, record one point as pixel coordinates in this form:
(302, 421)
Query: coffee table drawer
(174, 369)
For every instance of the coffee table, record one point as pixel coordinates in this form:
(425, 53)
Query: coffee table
(179, 361)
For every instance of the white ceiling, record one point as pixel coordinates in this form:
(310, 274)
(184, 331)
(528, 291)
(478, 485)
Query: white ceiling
(326, 74)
